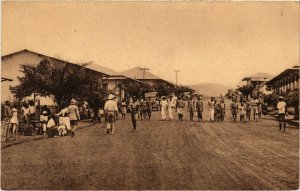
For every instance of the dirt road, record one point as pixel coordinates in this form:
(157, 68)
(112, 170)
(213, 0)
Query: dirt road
(160, 155)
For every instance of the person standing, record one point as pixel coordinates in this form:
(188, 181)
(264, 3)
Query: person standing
(7, 111)
(259, 109)
(180, 108)
(123, 108)
(149, 104)
(64, 117)
(14, 119)
(96, 107)
(282, 111)
(74, 116)
(242, 112)
(234, 108)
(255, 105)
(134, 110)
(223, 109)
(248, 110)
(211, 109)
(110, 108)
(164, 108)
(191, 108)
(199, 108)
(172, 106)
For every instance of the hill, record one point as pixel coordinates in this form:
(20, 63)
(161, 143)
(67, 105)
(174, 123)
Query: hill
(210, 89)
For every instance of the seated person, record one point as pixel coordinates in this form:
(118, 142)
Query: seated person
(62, 130)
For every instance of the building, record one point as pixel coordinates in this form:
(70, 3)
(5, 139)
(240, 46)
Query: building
(285, 81)
(257, 83)
(145, 76)
(113, 81)
(264, 89)
(10, 68)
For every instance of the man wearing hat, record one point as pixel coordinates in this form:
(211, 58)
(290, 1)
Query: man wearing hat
(282, 111)
(110, 109)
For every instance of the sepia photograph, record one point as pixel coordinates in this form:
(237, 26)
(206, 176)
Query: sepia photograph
(150, 95)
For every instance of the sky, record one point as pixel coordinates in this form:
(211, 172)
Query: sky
(209, 42)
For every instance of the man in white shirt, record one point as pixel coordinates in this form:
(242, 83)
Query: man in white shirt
(282, 109)
(110, 109)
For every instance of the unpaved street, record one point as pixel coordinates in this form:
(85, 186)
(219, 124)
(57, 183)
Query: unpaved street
(160, 155)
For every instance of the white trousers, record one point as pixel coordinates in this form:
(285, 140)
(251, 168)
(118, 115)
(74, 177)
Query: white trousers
(211, 113)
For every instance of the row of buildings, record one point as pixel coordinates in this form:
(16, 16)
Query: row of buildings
(262, 83)
(107, 78)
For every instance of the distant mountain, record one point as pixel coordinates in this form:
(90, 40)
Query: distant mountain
(211, 89)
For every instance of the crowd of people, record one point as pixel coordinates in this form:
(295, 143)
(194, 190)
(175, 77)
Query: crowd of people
(244, 108)
(66, 120)
(28, 117)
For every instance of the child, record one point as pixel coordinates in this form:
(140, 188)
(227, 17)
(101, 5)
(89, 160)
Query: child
(123, 108)
(43, 120)
(180, 108)
(234, 108)
(248, 111)
(242, 112)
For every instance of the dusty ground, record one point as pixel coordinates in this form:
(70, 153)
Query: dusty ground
(160, 155)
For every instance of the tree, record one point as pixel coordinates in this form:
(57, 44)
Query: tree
(245, 90)
(292, 100)
(134, 88)
(58, 79)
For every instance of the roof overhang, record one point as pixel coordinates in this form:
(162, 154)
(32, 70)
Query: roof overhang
(281, 75)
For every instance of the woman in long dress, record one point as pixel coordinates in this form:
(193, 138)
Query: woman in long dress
(164, 108)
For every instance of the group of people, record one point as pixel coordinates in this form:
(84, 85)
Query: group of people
(67, 119)
(245, 108)
(173, 104)
(29, 117)
(139, 109)
(16, 115)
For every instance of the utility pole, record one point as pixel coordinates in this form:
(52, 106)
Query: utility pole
(144, 69)
(176, 71)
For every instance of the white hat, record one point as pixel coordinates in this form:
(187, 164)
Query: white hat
(110, 96)
(73, 101)
(44, 112)
(280, 97)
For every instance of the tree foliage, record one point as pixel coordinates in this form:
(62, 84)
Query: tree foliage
(245, 90)
(135, 88)
(58, 79)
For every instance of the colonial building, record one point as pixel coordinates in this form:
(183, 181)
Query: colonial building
(145, 76)
(258, 83)
(10, 68)
(113, 81)
(286, 80)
